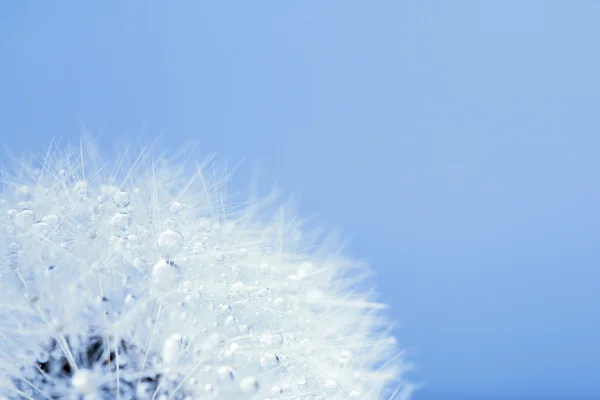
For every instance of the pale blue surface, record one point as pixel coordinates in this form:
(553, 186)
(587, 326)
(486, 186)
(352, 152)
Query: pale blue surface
(457, 142)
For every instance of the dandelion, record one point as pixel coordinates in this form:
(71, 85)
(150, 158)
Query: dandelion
(142, 280)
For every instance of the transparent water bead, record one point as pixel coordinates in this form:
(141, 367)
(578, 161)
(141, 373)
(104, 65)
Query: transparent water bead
(171, 350)
(24, 219)
(170, 243)
(39, 228)
(269, 360)
(271, 339)
(279, 303)
(249, 385)
(176, 207)
(51, 220)
(121, 221)
(84, 381)
(199, 248)
(225, 374)
(13, 249)
(122, 199)
(165, 274)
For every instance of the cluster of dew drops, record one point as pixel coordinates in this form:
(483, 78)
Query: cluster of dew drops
(229, 350)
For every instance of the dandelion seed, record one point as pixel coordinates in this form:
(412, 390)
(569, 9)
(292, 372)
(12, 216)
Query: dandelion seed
(170, 292)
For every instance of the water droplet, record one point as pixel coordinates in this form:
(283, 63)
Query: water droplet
(225, 373)
(171, 349)
(170, 243)
(39, 228)
(25, 219)
(84, 381)
(345, 357)
(13, 249)
(165, 274)
(220, 257)
(276, 390)
(269, 360)
(121, 199)
(225, 308)
(51, 220)
(42, 357)
(121, 221)
(249, 385)
(331, 384)
(271, 339)
(199, 248)
(176, 207)
(171, 224)
(279, 303)
(238, 287)
(144, 390)
(302, 382)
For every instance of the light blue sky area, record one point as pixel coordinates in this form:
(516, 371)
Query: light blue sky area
(456, 142)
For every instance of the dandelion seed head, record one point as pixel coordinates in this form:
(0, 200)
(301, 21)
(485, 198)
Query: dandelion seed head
(137, 278)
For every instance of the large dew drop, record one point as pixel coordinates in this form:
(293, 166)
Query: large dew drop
(121, 221)
(165, 274)
(24, 219)
(121, 199)
(170, 243)
(249, 385)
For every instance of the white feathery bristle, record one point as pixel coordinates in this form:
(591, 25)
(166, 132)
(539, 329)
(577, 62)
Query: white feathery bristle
(137, 278)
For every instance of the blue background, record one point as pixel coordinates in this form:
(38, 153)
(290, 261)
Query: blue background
(456, 142)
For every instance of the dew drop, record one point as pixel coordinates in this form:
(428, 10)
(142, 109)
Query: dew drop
(13, 249)
(269, 360)
(171, 349)
(165, 273)
(238, 287)
(176, 207)
(144, 390)
(170, 243)
(42, 357)
(84, 381)
(121, 199)
(271, 339)
(276, 390)
(249, 385)
(302, 382)
(24, 219)
(330, 384)
(225, 373)
(220, 257)
(225, 308)
(199, 248)
(39, 228)
(51, 220)
(345, 357)
(279, 303)
(121, 221)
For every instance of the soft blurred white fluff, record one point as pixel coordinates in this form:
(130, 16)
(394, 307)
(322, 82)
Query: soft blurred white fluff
(135, 277)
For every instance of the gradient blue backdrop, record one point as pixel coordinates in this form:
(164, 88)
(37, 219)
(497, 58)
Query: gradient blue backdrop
(457, 142)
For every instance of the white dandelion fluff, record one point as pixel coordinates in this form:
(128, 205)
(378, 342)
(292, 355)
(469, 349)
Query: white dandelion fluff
(140, 280)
